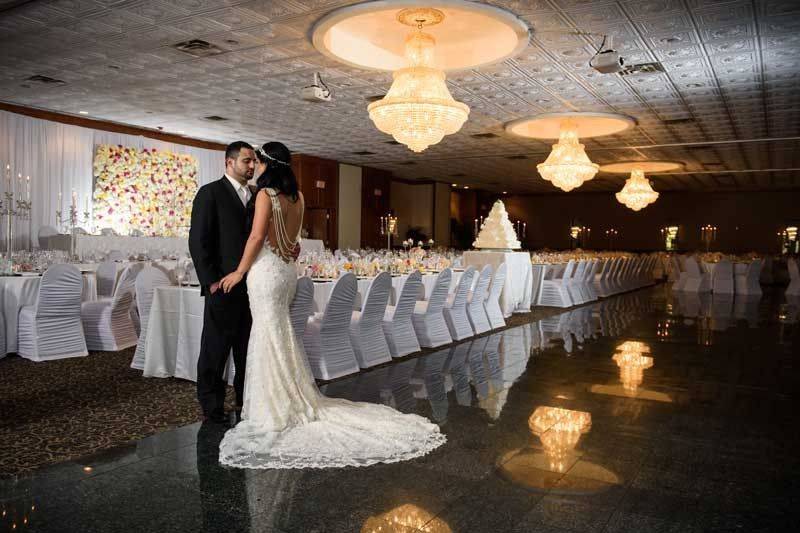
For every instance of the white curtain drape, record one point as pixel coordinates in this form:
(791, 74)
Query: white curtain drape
(58, 158)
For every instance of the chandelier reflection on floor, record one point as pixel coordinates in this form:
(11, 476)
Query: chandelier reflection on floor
(419, 110)
(632, 363)
(637, 192)
(559, 430)
(567, 166)
(406, 517)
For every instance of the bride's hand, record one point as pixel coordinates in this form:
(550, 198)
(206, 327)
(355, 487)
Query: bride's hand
(230, 281)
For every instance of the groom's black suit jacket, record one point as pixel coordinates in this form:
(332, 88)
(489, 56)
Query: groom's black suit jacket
(219, 231)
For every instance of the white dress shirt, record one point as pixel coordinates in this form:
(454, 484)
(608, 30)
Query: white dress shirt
(242, 190)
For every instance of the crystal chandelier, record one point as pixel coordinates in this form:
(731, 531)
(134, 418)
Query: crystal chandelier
(567, 166)
(419, 110)
(637, 192)
(559, 430)
(632, 363)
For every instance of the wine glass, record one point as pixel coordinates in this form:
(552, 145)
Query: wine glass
(180, 273)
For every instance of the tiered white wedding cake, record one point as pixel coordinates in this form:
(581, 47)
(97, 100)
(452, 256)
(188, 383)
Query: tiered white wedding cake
(497, 231)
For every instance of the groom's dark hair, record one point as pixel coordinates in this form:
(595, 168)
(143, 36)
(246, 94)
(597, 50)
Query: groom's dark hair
(234, 148)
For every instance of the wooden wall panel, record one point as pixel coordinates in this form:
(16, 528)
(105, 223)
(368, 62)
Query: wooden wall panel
(375, 203)
(319, 181)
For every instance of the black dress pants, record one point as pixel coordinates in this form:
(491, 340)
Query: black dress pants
(226, 327)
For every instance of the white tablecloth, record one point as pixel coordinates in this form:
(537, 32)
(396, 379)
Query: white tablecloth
(18, 291)
(173, 333)
(99, 245)
(516, 295)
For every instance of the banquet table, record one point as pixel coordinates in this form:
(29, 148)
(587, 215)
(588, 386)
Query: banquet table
(516, 295)
(17, 292)
(99, 245)
(174, 331)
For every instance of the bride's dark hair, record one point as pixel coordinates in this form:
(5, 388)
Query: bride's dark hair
(279, 174)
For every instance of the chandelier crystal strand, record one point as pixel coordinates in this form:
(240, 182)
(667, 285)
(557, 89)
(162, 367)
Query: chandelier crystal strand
(637, 192)
(567, 166)
(418, 110)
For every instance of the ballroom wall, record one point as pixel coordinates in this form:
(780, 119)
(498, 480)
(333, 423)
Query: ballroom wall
(746, 220)
(413, 205)
(349, 206)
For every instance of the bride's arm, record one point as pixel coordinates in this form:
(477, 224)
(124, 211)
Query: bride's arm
(263, 212)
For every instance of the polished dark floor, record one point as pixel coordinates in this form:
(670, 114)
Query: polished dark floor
(645, 412)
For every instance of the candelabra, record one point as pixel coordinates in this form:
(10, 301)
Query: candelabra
(7, 210)
(708, 234)
(389, 229)
(669, 235)
(611, 235)
(24, 213)
(477, 226)
(521, 229)
(71, 224)
(580, 236)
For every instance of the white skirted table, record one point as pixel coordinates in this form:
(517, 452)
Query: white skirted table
(99, 245)
(516, 295)
(174, 332)
(17, 292)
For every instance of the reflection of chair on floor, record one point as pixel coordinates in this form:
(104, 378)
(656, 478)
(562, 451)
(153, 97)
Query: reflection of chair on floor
(794, 278)
(402, 392)
(458, 370)
(429, 382)
(746, 308)
(721, 311)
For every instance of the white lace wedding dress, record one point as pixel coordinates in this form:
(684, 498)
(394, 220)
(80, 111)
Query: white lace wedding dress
(286, 422)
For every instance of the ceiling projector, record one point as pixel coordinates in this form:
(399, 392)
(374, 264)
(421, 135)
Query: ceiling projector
(318, 92)
(607, 60)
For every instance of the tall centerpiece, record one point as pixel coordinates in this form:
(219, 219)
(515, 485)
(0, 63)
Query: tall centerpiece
(497, 232)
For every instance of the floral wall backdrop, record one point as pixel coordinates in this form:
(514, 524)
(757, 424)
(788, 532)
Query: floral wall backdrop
(146, 190)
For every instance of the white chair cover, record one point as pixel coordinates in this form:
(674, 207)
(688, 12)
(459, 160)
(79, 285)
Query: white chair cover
(366, 331)
(455, 308)
(327, 335)
(397, 324)
(748, 283)
(45, 232)
(51, 329)
(108, 323)
(794, 278)
(674, 269)
(723, 278)
(106, 275)
(555, 292)
(476, 300)
(302, 305)
(493, 311)
(694, 280)
(147, 281)
(428, 316)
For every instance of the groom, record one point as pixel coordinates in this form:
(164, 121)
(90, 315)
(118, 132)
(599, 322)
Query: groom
(217, 238)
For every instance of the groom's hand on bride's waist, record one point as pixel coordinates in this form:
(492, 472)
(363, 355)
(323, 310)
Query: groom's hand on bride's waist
(214, 287)
(296, 251)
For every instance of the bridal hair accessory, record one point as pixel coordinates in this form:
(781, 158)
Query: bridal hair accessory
(267, 156)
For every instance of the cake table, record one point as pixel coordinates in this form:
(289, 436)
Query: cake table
(516, 295)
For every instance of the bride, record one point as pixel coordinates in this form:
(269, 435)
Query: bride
(286, 422)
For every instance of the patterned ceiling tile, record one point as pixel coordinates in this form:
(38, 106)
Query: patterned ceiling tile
(730, 70)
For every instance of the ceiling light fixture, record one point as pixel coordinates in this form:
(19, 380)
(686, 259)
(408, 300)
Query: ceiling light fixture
(83, 112)
(419, 110)
(637, 192)
(568, 166)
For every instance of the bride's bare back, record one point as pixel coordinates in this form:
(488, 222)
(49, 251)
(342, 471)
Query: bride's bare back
(289, 225)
